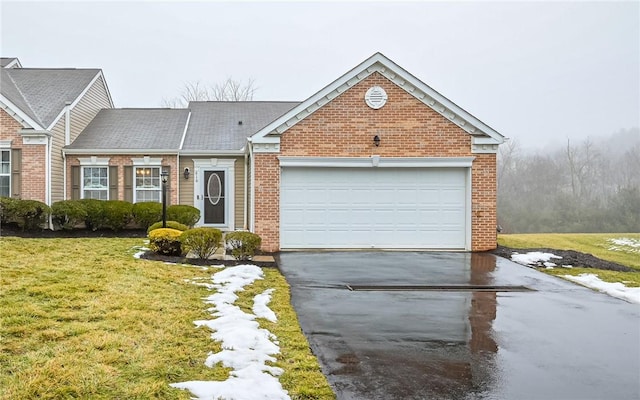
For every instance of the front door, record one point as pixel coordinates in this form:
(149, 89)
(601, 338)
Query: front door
(214, 197)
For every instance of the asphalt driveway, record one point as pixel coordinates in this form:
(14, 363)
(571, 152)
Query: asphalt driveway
(559, 341)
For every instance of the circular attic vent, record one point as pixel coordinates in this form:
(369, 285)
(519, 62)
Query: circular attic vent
(375, 97)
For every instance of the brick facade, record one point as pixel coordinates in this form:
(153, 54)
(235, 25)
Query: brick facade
(126, 160)
(345, 127)
(33, 160)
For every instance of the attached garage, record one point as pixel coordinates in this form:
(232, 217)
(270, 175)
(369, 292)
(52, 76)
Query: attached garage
(396, 204)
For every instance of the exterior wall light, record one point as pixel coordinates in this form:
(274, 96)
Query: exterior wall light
(187, 173)
(376, 140)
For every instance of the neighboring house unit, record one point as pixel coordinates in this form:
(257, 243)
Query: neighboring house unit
(42, 110)
(376, 159)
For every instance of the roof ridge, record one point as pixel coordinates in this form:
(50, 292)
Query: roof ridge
(24, 98)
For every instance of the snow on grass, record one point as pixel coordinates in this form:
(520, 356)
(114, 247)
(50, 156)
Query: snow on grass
(246, 348)
(625, 245)
(140, 251)
(617, 289)
(535, 258)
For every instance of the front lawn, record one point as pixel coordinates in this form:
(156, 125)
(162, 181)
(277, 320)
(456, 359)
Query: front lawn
(81, 318)
(621, 248)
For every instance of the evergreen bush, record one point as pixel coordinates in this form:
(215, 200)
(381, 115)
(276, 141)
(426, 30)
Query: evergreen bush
(187, 215)
(204, 242)
(170, 224)
(166, 241)
(67, 214)
(242, 245)
(146, 213)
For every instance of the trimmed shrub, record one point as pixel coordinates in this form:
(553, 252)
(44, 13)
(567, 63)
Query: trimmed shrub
(170, 224)
(95, 213)
(204, 242)
(146, 213)
(242, 245)
(117, 214)
(29, 214)
(165, 241)
(187, 215)
(67, 214)
(6, 210)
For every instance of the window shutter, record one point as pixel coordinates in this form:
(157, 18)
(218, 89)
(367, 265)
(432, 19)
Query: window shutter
(128, 184)
(113, 182)
(16, 173)
(75, 183)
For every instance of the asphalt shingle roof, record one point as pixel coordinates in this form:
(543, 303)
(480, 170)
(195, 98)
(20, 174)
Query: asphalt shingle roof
(42, 93)
(226, 125)
(4, 61)
(134, 128)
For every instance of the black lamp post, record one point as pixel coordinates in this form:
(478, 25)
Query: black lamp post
(164, 176)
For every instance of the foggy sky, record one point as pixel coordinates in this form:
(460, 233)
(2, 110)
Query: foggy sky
(536, 72)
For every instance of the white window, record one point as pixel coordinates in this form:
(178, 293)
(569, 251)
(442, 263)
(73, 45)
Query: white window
(147, 184)
(5, 173)
(95, 183)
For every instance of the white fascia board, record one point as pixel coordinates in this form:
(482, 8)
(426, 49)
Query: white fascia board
(13, 64)
(184, 132)
(169, 152)
(377, 161)
(396, 74)
(316, 101)
(17, 114)
(76, 100)
(211, 153)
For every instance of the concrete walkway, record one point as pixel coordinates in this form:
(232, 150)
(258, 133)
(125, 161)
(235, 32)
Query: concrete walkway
(561, 341)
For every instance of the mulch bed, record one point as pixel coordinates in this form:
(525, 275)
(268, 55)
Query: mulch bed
(569, 257)
(150, 255)
(12, 230)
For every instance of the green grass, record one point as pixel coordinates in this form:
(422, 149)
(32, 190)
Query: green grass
(81, 318)
(597, 244)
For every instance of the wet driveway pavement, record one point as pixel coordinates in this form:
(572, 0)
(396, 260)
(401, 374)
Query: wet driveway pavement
(560, 341)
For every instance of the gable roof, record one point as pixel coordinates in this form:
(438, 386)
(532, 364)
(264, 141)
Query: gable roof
(132, 129)
(226, 125)
(41, 94)
(10, 62)
(482, 133)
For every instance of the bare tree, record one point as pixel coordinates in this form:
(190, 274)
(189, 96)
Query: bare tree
(229, 90)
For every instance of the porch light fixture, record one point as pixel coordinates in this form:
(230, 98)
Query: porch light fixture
(376, 140)
(187, 173)
(164, 177)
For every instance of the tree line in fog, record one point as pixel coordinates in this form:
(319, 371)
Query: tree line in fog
(591, 185)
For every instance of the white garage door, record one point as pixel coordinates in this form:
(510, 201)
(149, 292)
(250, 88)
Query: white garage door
(373, 208)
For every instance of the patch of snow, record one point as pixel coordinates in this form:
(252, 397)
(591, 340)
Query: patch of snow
(246, 348)
(626, 245)
(534, 258)
(617, 289)
(260, 307)
(568, 266)
(140, 252)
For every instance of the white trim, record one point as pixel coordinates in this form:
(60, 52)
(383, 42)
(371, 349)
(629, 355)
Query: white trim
(5, 144)
(13, 64)
(469, 204)
(76, 100)
(67, 124)
(94, 161)
(147, 161)
(377, 161)
(151, 165)
(215, 164)
(121, 151)
(19, 115)
(207, 153)
(184, 133)
(96, 165)
(30, 136)
(381, 64)
(8, 150)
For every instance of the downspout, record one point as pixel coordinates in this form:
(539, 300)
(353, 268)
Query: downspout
(47, 177)
(253, 188)
(67, 141)
(246, 186)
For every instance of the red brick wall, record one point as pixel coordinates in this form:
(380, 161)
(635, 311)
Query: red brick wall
(345, 127)
(126, 160)
(33, 159)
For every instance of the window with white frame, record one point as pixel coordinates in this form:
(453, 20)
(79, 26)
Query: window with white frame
(5, 173)
(147, 184)
(95, 183)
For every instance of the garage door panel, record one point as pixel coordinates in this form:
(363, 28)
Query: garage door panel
(373, 207)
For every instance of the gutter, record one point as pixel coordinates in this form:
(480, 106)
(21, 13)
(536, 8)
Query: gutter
(252, 215)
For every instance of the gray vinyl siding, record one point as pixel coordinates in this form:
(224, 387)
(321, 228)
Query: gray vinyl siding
(95, 99)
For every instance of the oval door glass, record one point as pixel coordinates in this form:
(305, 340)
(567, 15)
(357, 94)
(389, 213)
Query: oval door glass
(214, 189)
